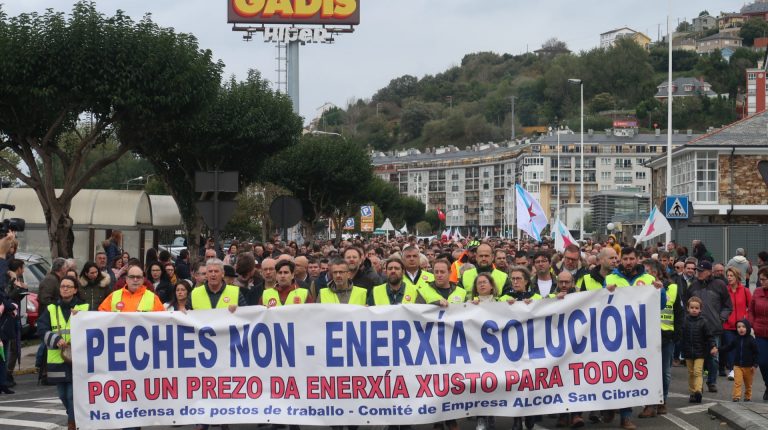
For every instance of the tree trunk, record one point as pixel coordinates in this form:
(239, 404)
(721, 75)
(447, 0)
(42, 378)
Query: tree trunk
(60, 234)
(194, 228)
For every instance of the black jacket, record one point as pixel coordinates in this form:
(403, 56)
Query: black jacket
(697, 338)
(366, 277)
(745, 348)
(717, 302)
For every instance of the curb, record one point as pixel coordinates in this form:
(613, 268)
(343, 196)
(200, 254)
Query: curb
(29, 371)
(739, 417)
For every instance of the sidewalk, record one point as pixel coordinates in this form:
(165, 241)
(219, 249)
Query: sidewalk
(743, 415)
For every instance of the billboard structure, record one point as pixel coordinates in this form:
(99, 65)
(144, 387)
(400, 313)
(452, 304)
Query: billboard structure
(291, 23)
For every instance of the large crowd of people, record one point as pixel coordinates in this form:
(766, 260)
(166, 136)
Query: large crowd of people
(711, 321)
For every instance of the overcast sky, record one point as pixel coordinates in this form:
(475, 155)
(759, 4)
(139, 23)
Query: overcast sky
(398, 37)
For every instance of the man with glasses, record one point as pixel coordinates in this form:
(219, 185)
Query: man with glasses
(340, 290)
(199, 273)
(543, 281)
(133, 297)
(572, 263)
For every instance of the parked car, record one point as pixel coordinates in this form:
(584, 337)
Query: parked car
(174, 248)
(35, 269)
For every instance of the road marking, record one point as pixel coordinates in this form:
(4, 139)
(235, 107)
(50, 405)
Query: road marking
(34, 410)
(51, 402)
(695, 408)
(679, 422)
(35, 424)
(41, 399)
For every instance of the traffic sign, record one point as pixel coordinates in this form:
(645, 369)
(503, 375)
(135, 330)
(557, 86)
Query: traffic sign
(677, 207)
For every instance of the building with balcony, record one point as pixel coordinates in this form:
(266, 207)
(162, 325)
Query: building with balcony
(720, 172)
(614, 159)
(474, 187)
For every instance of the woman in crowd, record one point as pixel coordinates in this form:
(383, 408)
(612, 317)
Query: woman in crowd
(53, 328)
(758, 317)
(181, 300)
(159, 279)
(117, 267)
(231, 258)
(94, 285)
(740, 297)
(170, 270)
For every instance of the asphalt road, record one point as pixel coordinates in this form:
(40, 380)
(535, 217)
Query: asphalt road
(35, 406)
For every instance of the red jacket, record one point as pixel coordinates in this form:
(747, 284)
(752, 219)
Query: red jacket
(758, 312)
(740, 299)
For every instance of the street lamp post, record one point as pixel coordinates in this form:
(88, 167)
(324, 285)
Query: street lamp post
(580, 83)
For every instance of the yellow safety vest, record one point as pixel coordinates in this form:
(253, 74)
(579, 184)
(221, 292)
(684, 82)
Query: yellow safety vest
(430, 294)
(357, 296)
(146, 304)
(425, 278)
(229, 296)
(57, 368)
(620, 281)
(468, 280)
(271, 298)
(668, 313)
(380, 296)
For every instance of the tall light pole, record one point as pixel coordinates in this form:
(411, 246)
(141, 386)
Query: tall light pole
(580, 83)
(670, 93)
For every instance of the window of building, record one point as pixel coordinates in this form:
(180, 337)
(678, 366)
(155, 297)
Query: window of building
(605, 161)
(639, 175)
(605, 175)
(706, 176)
(623, 178)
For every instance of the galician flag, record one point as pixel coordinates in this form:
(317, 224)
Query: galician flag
(563, 237)
(530, 216)
(655, 225)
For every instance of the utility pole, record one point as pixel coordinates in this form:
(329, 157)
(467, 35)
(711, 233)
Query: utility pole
(513, 118)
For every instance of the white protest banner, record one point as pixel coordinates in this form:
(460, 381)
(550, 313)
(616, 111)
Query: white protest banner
(354, 365)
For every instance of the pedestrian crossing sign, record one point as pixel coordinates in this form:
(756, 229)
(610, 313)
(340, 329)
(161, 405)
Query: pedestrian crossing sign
(677, 207)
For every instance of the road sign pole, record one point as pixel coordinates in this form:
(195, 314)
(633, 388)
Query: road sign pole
(216, 237)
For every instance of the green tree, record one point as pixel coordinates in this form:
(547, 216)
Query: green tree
(415, 115)
(123, 74)
(752, 29)
(10, 158)
(241, 127)
(328, 174)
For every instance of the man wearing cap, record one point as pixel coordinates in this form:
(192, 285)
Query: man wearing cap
(717, 308)
(215, 293)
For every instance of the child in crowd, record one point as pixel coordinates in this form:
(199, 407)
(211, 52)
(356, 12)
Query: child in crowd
(697, 341)
(745, 360)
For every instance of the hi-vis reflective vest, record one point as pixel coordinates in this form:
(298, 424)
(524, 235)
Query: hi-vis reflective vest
(380, 296)
(430, 294)
(57, 368)
(146, 304)
(468, 280)
(200, 299)
(271, 297)
(590, 284)
(425, 278)
(620, 281)
(357, 296)
(668, 313)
